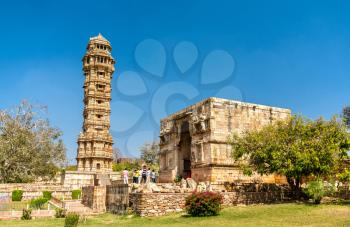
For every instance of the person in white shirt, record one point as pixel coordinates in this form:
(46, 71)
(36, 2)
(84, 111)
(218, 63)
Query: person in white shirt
(148, 175)
(125, 176)
(153, 176)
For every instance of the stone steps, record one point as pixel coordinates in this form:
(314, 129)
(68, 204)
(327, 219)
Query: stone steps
(77, 207)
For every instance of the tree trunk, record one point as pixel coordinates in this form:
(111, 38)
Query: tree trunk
(295, 186)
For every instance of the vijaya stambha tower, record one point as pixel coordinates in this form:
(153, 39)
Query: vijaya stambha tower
(95, 141)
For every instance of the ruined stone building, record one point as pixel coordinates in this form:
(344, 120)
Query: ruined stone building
(95, 142)
(194, 141)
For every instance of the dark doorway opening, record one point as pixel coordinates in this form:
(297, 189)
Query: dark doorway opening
(184, 155)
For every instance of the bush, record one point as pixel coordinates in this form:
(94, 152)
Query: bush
(177, 179)
(26, 214)
(71, 220)
(60, 213)
(47, 195)
(200, 204)
(315, 190)
(38, 203)
(76, 194)
(17, 195)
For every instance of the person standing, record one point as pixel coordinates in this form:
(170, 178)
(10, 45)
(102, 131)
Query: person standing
(140, 175)
(148, 174)
(153, 176)
(135, 177)
(144, 174)
(125, 176)
(156, 175)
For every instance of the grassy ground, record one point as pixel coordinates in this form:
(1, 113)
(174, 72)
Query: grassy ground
(260, 215)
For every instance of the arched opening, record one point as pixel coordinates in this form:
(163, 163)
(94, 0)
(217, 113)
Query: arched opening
(184, 154)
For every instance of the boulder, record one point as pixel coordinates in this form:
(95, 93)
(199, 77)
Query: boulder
(183, 183)
(154, 188)
(192, 184)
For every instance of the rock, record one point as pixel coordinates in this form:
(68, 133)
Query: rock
(154, 188)
(183, 183)
(201, 187)
(191, 183)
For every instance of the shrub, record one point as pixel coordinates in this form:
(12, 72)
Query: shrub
(17, 195)
(76, 194)
(315, 190)
(177, 179)
(38, 203)
(47, 195)
(201, 204)
(60, 213)
(71, 220)
(26, 214)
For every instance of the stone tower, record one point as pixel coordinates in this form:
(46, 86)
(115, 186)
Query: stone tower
(95, 141)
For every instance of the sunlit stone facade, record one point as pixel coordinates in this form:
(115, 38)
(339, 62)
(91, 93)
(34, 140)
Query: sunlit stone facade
(194, 141)
(95, 141)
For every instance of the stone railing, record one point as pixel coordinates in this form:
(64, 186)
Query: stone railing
(157, 204)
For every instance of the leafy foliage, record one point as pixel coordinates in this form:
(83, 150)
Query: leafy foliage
(295, 148)
(29, 147)
(344, 176)
(72, 220)
(38, 203)
(76, 194)
(200, 204)
(17, 195)
(150, 152)
(315, 190)
(26, 214)
(177, 179)
(125, 165)
(346, 115)
(71, 168)
(47, 195)
(60, 213)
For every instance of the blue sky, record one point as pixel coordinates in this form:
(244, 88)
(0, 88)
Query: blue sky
(292, 54)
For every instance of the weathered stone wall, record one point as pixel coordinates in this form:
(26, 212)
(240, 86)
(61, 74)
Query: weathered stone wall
(117, 198)
(211, 123)
(157, 204)
(32, 191)
(87, 196)
(95, 198)
(79, 179)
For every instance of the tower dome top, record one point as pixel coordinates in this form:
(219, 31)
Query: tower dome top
(99, 38)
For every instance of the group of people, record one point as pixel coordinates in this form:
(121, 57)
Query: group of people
(143, 175)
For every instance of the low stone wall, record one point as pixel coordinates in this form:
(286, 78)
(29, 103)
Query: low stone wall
(157, 204)
(8, 215)
(32, 191)
(28, 195)
(79, 179)
(32, 187)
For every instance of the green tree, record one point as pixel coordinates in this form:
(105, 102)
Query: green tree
(296, 148)
(29, 147)
(150, 152)
(346, 115)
